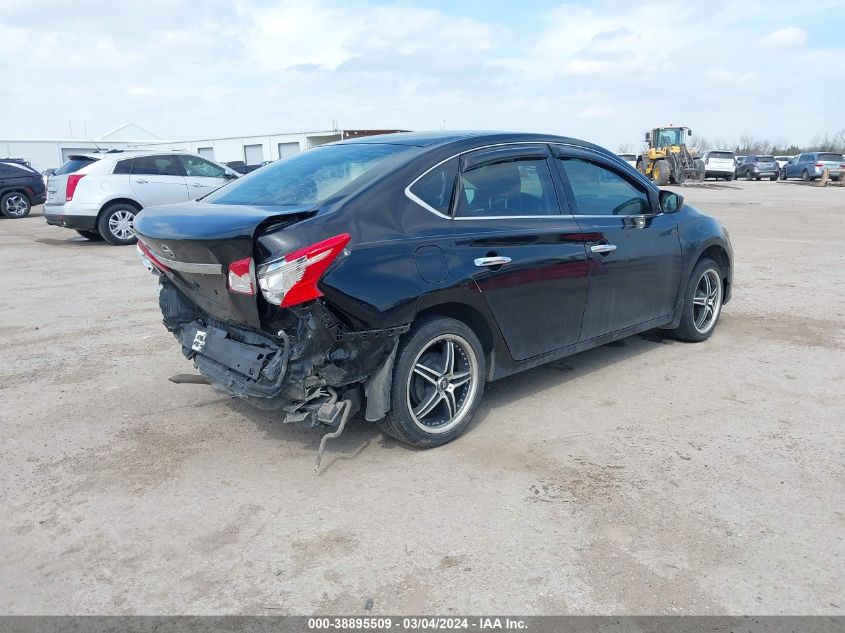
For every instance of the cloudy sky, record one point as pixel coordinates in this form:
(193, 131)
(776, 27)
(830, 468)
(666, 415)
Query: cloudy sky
(604, 70)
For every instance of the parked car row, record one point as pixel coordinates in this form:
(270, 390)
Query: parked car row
(808, 166)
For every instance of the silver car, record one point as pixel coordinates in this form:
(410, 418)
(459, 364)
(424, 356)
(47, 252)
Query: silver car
(98, 194)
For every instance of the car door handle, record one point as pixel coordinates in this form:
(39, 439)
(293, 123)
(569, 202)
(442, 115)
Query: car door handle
(498, 260)
(603, 248)
(141, 181)
(196, 184)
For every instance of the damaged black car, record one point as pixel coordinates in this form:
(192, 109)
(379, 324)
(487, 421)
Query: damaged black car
(398, 274)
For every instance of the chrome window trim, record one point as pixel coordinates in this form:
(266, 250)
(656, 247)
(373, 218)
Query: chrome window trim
(428, 207)
(188, 267)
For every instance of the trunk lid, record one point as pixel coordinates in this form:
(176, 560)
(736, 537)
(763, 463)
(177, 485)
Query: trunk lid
(198, 241)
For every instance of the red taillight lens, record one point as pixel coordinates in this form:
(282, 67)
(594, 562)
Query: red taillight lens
(819, 165)
(72, 183)
(240, 277)
(293, 280)
(147, 256)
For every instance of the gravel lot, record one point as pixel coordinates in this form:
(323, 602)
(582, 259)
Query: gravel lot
(649, 476)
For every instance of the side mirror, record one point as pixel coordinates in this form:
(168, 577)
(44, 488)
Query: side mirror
(689, 132)
(230, 176)
(670, 201)
(647, 137)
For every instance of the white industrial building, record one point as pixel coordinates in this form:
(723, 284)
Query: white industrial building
(252, 150)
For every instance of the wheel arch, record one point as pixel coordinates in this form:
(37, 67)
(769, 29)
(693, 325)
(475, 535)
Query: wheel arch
(466, 314)
(17, 189)
(719, 254)
(109, 203)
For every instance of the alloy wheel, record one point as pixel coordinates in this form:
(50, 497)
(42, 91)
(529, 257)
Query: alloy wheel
(442, 383)
(16, 206)
(120, 224)
(707, 301)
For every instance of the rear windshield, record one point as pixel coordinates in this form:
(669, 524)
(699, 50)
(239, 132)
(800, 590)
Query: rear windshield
(830, 157)
(765, 159)
(728, 155)
(307, 178)
(73, 165)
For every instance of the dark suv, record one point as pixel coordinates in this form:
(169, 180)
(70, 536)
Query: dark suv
(21, 187)
(757, 167)
(400, 274)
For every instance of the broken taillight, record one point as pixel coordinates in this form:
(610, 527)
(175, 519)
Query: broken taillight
(72, 182)
(293, 279)
(240, 277)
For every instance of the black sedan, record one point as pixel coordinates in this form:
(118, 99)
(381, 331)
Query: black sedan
(399, 274)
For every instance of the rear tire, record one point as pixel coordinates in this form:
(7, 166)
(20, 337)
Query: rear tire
(773, 178)
(15, 205)
(729, 177)
(94, 236)
(748, 176)
(702, 302)
(438, 382)
(115, 224)
(805, 176)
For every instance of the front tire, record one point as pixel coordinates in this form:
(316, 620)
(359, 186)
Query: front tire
(15, 205)
(115, 224)
(660, 173)
(438, 382)
(702, 302)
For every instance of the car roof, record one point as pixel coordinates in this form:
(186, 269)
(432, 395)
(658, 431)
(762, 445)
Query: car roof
(445, 137)
(118, 154)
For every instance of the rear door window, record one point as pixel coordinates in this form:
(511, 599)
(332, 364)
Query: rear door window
(520, 187)
(155, 166)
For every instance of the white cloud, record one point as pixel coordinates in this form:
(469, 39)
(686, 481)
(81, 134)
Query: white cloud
(790, 37)
(604, 71)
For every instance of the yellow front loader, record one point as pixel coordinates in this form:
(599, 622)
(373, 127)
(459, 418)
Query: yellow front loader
(667, 159)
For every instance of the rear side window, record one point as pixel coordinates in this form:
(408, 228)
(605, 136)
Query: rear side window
(155, 166)
(309, 177)
(600, 191)
(73, 165)
(435, 188)
(509, 188)
(830, 157)
(123, 167)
